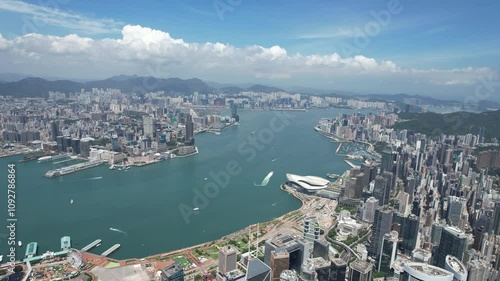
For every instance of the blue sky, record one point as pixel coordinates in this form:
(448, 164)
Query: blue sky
(422, 36)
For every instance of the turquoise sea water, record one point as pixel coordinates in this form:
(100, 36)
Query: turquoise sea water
(144, 201)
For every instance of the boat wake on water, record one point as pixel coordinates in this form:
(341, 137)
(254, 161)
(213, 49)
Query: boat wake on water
(266, 180)
(118, 230)
(275, 159)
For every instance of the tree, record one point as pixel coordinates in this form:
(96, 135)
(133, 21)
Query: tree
(18, 268)
(197, 277)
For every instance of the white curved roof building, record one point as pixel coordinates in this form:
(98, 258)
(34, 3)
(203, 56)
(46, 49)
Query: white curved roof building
(417, 271)
(455, 266)
(310, 183)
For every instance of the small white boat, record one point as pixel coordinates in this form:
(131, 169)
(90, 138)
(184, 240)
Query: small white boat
(112, 167)
(128, 167)
(119, 169)
(196, 209)
(71, 201)
(206, 178)
(1, 258)
(19, 243)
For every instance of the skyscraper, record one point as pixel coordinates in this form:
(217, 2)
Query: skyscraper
(388, 251)
(297, 249)
(173, 272)
(53, 131)
(409, 233)
(453, 242)
(455, 207)
(234, 112)
(311, 229)
(279, 263)
(360, 271)
(381, 225)
(227, 259)
(371, 205)
(387, 159)
(338, 270)
(148, 124)
(189, 130)
(258, 271)
(85, 148)
(381, 190)
(115, 144)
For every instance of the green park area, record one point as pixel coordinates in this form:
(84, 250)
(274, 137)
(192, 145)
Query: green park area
(182, 260)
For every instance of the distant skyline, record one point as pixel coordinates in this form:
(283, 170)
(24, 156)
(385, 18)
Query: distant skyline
(444, 49)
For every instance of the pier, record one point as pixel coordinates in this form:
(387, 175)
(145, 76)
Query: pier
(65, 243)
(351, 164)
(73, 168)
(91, 245)
(338, 148)
(31, 250)
(110, 250)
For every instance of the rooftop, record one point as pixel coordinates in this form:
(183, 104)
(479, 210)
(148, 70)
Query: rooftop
(361, 266)
(455, 264)
(283, 240)
(280, 253)
(172, 269)
(426, 270)
(227, 250)
(256, 267)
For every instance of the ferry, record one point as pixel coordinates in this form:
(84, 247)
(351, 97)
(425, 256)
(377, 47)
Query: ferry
(196, 209)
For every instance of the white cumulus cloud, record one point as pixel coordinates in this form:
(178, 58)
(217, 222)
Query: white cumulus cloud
(141, 49)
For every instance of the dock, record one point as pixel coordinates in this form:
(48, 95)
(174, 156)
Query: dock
(110, 250)
(91, 245)
(31, 250)
(338, 148)
(73, 168)
(65, 243)
(351, 164)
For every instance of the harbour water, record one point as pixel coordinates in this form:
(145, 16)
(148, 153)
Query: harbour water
(144, 202)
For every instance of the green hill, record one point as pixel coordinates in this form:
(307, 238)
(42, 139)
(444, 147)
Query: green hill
(457, 123)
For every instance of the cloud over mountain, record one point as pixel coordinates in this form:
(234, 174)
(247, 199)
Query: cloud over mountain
(145, 51)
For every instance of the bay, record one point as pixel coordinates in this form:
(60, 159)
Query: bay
(144, 202)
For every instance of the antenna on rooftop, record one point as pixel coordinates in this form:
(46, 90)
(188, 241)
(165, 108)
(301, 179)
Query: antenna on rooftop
(257, 241)
(249, 241)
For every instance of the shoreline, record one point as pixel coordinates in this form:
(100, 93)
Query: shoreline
(244, 230)
(158, 258)
(208, 243)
